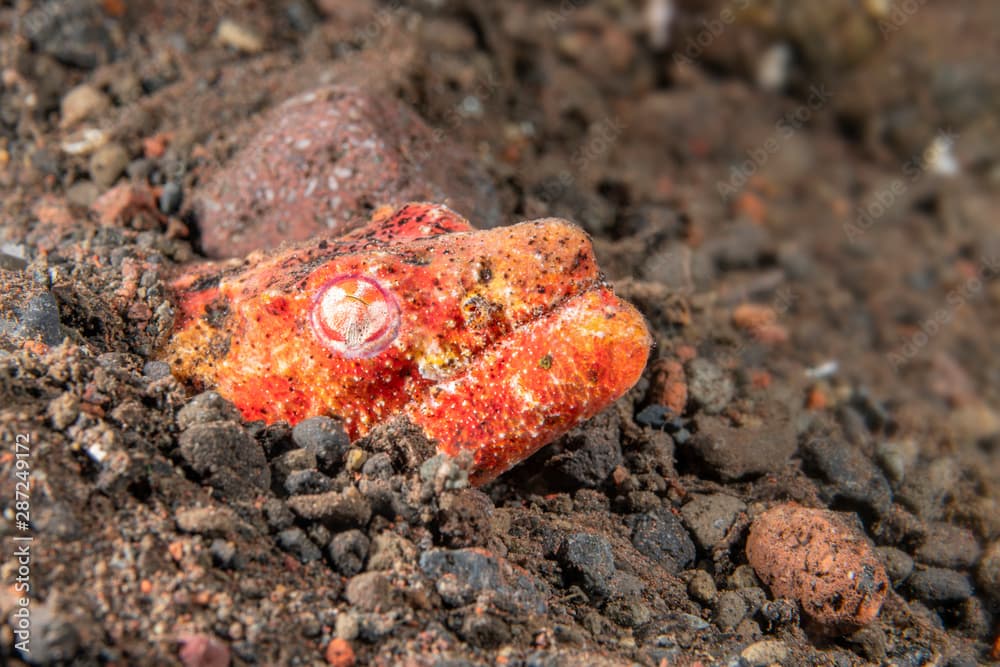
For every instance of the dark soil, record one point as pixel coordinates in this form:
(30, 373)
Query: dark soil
(799, 196)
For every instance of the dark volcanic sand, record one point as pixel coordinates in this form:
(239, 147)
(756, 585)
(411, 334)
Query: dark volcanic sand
(799, 196)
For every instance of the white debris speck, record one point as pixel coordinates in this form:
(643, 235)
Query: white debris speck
(659, 19)
(939, 157)
(84, 142)
(824, 370)
(773, 67)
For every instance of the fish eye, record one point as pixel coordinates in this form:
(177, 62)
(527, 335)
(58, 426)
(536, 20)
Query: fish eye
(355, 316)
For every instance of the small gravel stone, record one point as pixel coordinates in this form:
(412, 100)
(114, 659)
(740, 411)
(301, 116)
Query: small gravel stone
(628, 612)
(461, 575)
(347, 552)
(465, 518)
(223, 554)
(988, 572)
(378, 466)
(660, 536)
(81, 103)
(484, 630)
(948, 545)
(710, 516)
(730, 608)
(767, 652)
(205, 408)
(54, 640)
(388, 550)
(319, 534)
(292, 461)
(735, 453)
(156, 370)
(170, 198)
(107, 163)
(780, 613)
(369, 591)
(226, 456)
(742, 577)
(337, 509)
(27, 311)
(702, 587)
(850, 477)
(325, 438)
(936, 585)
(63, 410)
(898, 564)
(74, 33)
(347, 626)
(211, 521)
(277, 514)
(305, 482)
(709, 386)
(238, 36)
(592, 452)
(83, 193)
(588, 558)
(296, 542)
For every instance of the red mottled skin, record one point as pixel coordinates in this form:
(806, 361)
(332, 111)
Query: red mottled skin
(507, 337)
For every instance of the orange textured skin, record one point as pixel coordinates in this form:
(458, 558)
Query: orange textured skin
(507, 338)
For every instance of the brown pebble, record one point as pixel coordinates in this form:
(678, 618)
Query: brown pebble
(107, 164)
(340, 653)
(821, 559)
(669, 385)
(320, 163)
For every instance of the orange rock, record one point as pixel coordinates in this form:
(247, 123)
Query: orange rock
(156, 145)
(821, 559)
(122, 203)
(817, 400)
(199, 650)
(750, 205)
(52, 211)
(340, 653)
(760, 378)
(669, 385)
(761, 321)
(750, 316)
(685, 353)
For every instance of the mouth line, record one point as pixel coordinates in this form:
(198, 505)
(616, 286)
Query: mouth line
(446, 374)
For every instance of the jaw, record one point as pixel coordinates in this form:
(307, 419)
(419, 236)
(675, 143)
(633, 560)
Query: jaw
(537, 383)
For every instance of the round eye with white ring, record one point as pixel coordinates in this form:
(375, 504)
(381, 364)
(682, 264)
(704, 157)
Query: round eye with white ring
(355, 316)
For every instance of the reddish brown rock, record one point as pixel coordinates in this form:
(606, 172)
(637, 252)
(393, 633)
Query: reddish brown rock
(321, 162)
(669, 385)
(822, 560)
